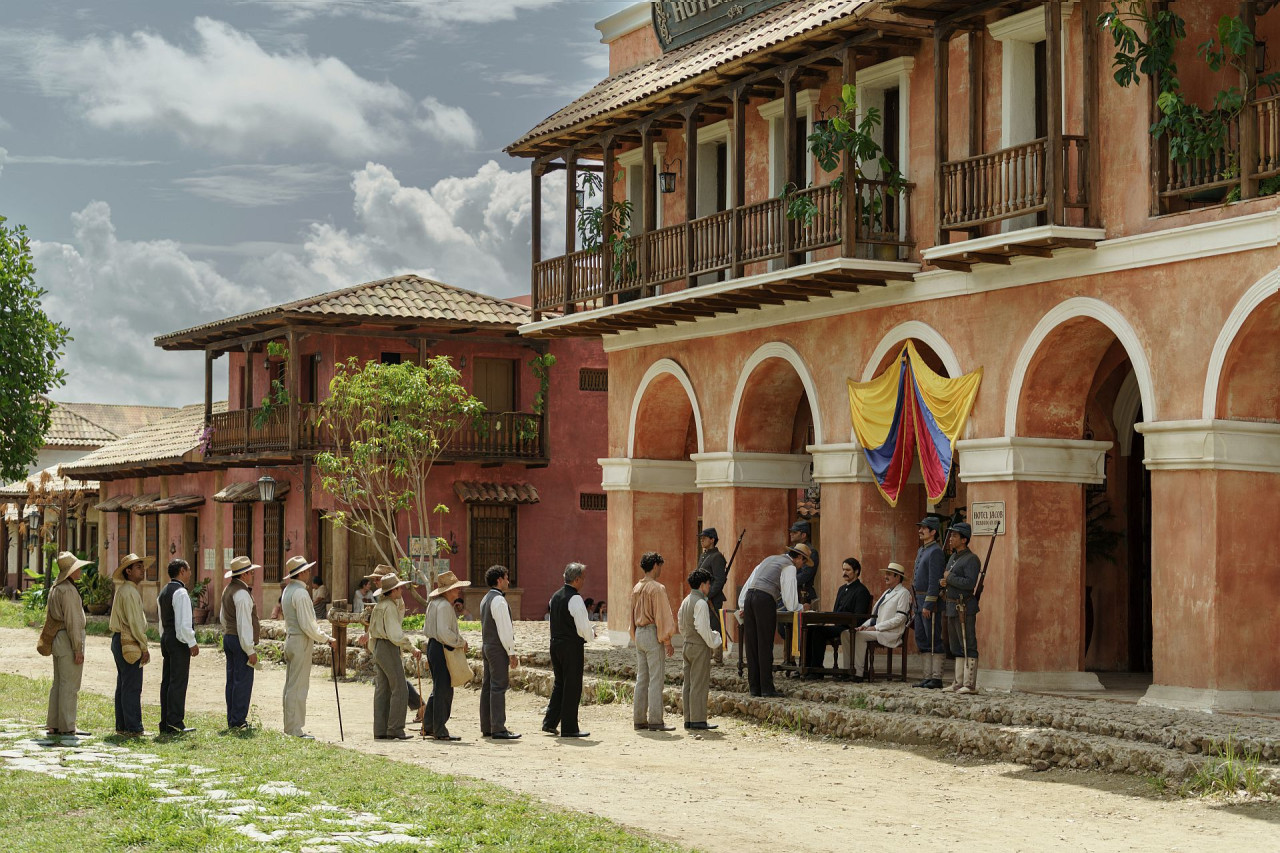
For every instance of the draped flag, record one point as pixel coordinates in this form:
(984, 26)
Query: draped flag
(910, 412)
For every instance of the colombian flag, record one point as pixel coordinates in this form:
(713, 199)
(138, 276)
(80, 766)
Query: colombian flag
(910, 411)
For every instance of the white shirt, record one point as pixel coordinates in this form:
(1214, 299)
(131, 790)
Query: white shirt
(182, 617)
(787, 580)
(500, 613)
(299, 613)
(358, 608)
(244, 620)
(702, 623)
(890, 613)
(578, 610)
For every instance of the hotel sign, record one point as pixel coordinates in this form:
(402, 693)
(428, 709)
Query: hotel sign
(679, 22)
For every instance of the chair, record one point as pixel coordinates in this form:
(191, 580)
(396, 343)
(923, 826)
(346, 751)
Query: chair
(869, 656)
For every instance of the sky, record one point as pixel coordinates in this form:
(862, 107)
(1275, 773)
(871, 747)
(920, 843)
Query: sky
(180, 162)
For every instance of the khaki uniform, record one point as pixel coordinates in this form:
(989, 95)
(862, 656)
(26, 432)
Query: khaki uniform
(65, 606)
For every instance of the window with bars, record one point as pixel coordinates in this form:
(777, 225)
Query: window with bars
(242, 530)
(272, 541)
(151, 523)
(122, 534)
(593, 502)
(593, 379)
(493, 541)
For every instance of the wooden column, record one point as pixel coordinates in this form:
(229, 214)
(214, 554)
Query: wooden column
(536, 171)
(4, 547)
(1093, 158)
(1054, 176)
(739, 177)
(571, 224)
(308, 525)
(607, 221)
(209, 356)
(977, 96)
(941, 129)
(648, 203)
(248, 375)
(293, 385)
(1157, 147)
(1248, 116)
(791, 165)
(690, 188)
(851, 202)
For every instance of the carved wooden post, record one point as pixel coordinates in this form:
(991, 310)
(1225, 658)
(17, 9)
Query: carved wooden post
(941, 130)
(649, 206)
(245, 417)
(536, 171)
(739, 176)
(293, 386)
(308, 523)
(690, 189)
(1249, 116)
(1157, 147)
(571, 224)
(209, 356)
(608, 287)
(851, 198)
(1093, 161)
(1054, 176)
(791, 165)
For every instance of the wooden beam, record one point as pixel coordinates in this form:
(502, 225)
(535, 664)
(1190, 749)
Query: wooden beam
(991, 258)
(850, 197)
(690, 189)
(1030, 251)
(571, 224)
(1054, 173)
(208, 387)
(739, 139)
(790, 163)
(941, 128)
(954, 265)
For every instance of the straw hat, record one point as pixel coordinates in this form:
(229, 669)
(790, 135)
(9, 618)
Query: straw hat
(68, 563)
(897, 569)
(803, 550)
(296, 566)
(390, 582)
(129, 560)
(240, 566)
(447, 582)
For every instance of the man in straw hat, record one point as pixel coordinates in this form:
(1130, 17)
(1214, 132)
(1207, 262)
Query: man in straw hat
(64, 625)
(373, 578)
(386, 640)
(772, 584)
(240, 634)
(177, 646)
(888, 620)
(301, 630)
(129, 645)
(440, 626)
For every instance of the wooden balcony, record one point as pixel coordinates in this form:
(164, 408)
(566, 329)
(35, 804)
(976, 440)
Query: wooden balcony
(1250, 154)
(1012, 183)
(722, 244)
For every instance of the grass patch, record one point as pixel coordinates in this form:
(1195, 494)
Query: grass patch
(14, 615)
(1230, 769)
(123, 814)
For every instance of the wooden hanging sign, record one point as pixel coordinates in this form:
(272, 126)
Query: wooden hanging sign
(679, 22)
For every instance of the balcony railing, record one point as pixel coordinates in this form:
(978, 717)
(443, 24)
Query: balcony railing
(1210, 177)
(720, 242)
(499, 435)
(1011, 182)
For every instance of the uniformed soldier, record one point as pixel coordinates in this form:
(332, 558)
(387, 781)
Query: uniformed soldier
(806, 578)
(712, 562)
(926, 578)
(959, 580)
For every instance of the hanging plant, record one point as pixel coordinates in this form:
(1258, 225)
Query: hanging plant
(278, 394)
(540, 365)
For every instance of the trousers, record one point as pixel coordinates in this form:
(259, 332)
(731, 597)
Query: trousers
(567, 658)
(128, 696)
(297, 682)
(760, 622)
(64, 695)
(931, 635)
(493, 689)
(239, 681)
(440, 702)
(958, 646)
(174, 674)
(390, 698)
(697, 680)
(650, 676)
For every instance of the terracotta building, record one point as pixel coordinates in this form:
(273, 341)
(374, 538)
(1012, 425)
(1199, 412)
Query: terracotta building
(524, 492)
(1122, 303)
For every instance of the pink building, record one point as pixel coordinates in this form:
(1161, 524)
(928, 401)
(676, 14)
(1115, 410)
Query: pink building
(525, 492)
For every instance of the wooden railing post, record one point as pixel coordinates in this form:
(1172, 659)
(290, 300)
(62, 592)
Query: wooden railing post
(790, 162)
(209, 356)
(1054, 174)
(536, 172)
(607, 284)
(941, 129)
(1248, 162)
(739, 179)
(293, 385)
(1092, 162)
(690, 189)
(571, 224)
(850, 201)
(649, 205)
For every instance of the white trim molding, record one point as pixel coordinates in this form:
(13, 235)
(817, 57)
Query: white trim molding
(663, 366)
(786, 352)
(629, 20)
(1032, 460)
(1080, 306)
(1022, 235)
(1267, 286)
(1205, 699)
(752, 470)
(922, 332)
(840, 463)
(886, 75)
(663, 476)
(806, 100)
(1209, 445)
(1026, 26)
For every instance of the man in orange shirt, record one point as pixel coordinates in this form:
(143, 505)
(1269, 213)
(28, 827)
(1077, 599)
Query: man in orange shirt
(652, 625)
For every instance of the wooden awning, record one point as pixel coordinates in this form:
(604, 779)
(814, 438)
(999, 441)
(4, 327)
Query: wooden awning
(495, 493)
(247, 492)
(174, 503)
(113, 504)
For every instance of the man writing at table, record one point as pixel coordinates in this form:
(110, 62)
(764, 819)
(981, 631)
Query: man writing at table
(853, 598)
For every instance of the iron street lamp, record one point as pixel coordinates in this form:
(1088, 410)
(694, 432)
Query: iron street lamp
(266, 488)
(667, 178)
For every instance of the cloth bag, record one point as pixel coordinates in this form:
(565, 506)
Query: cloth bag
(44, 643)
(459, 669)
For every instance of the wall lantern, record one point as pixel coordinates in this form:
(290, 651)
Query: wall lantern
(581, 196)
(267, 488)
(667, 178)
(823, 121)
(1260, 60)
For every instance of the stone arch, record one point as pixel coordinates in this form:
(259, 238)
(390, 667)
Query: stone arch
(774, 380)
(922, 332)
(1250, 321)
(1078, 314)
(663, 405)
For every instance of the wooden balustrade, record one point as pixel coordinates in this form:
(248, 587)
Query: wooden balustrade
(666, 250)
(1218, 168)
(990, 187)
(1075, 171)
(1265, 112)
(712, 246)
(823, 227)
(230, 432)
(499, 435)
(760, 230)
(884, 213)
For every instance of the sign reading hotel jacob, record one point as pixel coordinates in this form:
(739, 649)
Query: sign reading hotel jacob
(678, 22)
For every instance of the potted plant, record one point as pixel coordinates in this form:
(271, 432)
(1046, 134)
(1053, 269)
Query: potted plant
(95, 590)
(200, 602)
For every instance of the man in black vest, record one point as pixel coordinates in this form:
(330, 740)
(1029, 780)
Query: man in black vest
(570, 631)
(178, 646)
(498, 647)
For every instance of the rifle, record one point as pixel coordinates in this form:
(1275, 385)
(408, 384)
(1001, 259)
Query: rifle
(725, 628)
(729, 565)
(982, 575)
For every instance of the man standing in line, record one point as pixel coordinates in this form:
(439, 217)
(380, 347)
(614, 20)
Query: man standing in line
(64, 626)
(319, 596)
(652, 625)
(129, 645)
(570, 632)
(386, 640)
(853, 598)
(699, 640)
(959, 580)
(240, 635)
(498, 647)
(301, 630)
(888, 622)
(440, 625)
(926, 577)
(807, 577)
(712, 561)
(771, 582)
(177, 647)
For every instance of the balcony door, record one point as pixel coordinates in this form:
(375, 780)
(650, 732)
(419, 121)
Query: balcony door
(493, 381)
(713, 180)
(493, 540)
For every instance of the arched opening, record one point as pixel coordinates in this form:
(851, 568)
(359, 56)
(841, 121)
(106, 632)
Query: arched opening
(1247, 387)
(664, 423)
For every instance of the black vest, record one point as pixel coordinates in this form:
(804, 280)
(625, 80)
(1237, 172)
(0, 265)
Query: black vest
(563, 628)
(488, 628)
(165, 601)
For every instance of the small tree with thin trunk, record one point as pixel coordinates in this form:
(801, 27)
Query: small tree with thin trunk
(389, 423)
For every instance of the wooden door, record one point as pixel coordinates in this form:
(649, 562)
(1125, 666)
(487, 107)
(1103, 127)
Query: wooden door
(492, 541)
(494, 383)
(191, 544)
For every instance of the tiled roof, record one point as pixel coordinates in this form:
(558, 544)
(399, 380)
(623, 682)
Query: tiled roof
(47, 480)
(118, 420)
(67, 428)
(174, 503)
(397, 299)
(168, 439)
(682, 64)
(495, 493)
(246, 492)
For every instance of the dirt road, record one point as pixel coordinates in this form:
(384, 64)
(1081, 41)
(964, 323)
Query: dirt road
(740, 787)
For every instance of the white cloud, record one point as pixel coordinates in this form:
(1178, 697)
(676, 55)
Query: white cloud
(224, 92)
(52, 160)
(427, 12)
(255, 185)
(4, 158)
(450, 125)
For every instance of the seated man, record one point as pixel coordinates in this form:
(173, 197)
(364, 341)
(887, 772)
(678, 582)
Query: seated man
(854, 598)
(888, 618)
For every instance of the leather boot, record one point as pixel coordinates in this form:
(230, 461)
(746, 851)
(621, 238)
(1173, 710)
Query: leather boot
(935, 671)
(970, 676)
(959, 679)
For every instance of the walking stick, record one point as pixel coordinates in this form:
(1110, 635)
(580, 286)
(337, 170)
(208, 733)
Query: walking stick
(422, 701)
(336, 698)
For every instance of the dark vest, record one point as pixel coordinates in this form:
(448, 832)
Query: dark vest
(563, 627)
(165, 600)
(229, 609)
(488, 630)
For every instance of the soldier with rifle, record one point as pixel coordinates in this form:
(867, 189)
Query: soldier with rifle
(960, 580)
(712, 562)
(926, 578)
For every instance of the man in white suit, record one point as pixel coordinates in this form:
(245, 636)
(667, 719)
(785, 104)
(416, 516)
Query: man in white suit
(888, 618)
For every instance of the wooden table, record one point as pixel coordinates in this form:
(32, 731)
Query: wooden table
(795, 660)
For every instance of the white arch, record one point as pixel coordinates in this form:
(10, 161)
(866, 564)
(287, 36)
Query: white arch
(922, 332)
(1081, 306)
(788, 354)
(1267, 287)
(658, 368)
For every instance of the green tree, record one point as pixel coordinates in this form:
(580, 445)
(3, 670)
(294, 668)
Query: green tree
(31, 344)
(389, 424)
